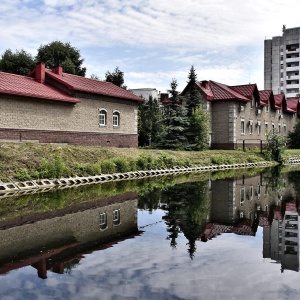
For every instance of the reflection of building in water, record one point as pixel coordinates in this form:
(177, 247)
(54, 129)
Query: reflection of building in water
(281, 238)
(65, 237)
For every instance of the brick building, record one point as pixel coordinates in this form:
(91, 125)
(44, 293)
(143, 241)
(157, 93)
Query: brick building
(50, 106)
(242, 115)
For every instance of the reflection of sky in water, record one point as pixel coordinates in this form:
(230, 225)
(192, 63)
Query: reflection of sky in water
(146, 267)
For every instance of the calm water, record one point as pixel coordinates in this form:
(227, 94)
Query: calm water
(201, 236)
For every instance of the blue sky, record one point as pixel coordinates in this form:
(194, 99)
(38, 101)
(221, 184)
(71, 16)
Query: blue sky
(154, 41)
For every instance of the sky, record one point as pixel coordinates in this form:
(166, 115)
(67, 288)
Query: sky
(156, 41)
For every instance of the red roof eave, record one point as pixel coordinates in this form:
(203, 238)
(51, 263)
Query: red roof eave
(31, 95)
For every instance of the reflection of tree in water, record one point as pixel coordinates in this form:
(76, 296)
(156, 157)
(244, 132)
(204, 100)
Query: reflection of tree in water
(187, 211)
(70, 265)
(150, 200)
(294, 178)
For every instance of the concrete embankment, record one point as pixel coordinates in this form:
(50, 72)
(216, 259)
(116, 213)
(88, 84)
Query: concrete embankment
(14, 188)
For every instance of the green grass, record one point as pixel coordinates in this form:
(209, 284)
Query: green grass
(24, 161)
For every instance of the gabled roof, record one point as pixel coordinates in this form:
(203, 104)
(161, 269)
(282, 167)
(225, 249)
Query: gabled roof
(291, 105)
(247, 90)
(266, 97)
(88, 85)
(216, 91)
(278, 99)
(12, 84)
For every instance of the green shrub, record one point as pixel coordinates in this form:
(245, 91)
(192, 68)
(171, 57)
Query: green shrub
(217, 160)
(122, 165)
(108, 167)
(23, 174)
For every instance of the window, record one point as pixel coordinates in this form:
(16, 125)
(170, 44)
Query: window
(284, 129)
(116, 217)
(116, 119)
(258, 128)
(242, 126)
(103, 221)
(267, 108)
(102, 117)
(250, 127)
(279, 128)
(242, 196)
(266, 128)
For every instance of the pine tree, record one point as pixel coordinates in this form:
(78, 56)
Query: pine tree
(174, 122)
(198, 133)
(193, 98)
(150, 122)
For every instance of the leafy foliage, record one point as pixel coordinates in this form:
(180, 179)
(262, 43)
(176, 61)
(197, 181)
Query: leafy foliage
(294, 137)
(61, 54)
(275, 145)
(20, 62)
(116, 77)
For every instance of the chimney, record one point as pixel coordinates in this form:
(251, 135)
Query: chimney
(57, 70)
(40, 72)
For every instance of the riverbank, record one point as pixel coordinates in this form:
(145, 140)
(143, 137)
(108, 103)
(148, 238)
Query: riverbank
(30, 161)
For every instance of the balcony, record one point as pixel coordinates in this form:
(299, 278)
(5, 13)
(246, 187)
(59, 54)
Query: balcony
(290, 69)
(290, 95)
(293, 86)
(292, 59)
(292, 77)
(292, 51)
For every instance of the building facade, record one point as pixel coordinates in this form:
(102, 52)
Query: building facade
(241, 116)
(281, 63)
(50, 106)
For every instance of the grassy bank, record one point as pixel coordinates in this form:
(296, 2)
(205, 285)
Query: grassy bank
(24, 161)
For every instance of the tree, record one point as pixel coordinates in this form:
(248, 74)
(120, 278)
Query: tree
(116, 77)
(294, 137)
(149, 124)
(174, 122)
(193, 98)
(61, 54)
(20, 62)
(275, 145)
(198, 129)
(198, 132)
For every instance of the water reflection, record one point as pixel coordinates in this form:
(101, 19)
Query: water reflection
(57, 241)
(204, 210)
(57, 236)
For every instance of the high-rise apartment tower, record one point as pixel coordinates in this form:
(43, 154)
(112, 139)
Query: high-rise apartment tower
(281, 63)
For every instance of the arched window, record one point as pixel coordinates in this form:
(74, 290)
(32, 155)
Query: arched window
(102, 117)
(116, 119)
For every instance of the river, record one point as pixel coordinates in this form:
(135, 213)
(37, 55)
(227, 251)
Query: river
(198, 236)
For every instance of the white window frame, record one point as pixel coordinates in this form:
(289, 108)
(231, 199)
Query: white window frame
(250, 127)
(103, 113)
(242, 126)
(103, 220)
(116, 217)
(116, 118)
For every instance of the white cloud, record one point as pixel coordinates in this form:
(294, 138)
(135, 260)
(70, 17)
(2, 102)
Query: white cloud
(171, 35)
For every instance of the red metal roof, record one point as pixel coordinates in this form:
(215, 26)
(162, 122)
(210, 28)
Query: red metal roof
(247, 90)
(291, 105)
(265, 97)
(88, 85)
(216, 91)
(13, 84)
(278, 99)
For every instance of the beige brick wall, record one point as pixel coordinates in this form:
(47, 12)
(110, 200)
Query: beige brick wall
(21, 113)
